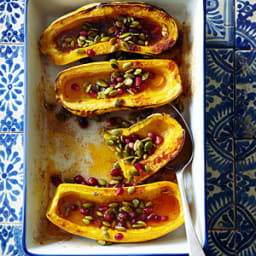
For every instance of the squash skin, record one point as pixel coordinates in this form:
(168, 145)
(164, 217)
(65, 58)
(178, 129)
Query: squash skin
(160, 124)
(103, 195)
(49, 48)
(164, 87)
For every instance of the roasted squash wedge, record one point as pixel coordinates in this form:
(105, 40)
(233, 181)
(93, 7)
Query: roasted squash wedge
(162, 87)
(163, 197)
(171, 135)
(102, 28)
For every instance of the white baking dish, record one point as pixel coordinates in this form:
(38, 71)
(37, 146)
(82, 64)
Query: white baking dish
(40, 75)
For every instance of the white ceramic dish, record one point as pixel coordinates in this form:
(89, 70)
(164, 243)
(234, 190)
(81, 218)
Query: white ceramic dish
(40, 75)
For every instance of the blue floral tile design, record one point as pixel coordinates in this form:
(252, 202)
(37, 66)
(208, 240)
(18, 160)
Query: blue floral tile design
(219, 23)
(221, 243)
(11, 88)
(12, 21)
(219, 92)
(11, 177)
(245, 24)
(245, 105)
(11, 240)
(246, 184)
(220, 186)
(246, 243)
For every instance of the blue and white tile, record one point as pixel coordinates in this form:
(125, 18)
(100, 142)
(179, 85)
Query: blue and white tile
(11, 177)
(245, 24)
(245, 105)
(219, 23)
(220, 185)
(11, 240)
(12, 21)
(245, 167)
(246, 243)
(11, 88)
(221, 243)
(219, 92)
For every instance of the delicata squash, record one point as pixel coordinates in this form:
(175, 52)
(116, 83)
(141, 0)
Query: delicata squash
(102, 87)
(139, 213)
(102, 28)
(145, 147)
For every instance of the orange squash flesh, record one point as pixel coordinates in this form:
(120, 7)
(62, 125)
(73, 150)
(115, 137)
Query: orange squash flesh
(165, 200)
(160, 124)
(164, 87)
(96, 11)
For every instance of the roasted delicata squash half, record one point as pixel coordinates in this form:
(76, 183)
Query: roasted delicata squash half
(102, 87)
(135, 214)
(145, 147)
(102, 28)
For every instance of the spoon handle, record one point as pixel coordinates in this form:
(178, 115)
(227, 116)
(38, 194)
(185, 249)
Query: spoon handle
(195, 248)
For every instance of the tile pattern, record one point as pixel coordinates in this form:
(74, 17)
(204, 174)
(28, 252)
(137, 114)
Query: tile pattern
(230, 122)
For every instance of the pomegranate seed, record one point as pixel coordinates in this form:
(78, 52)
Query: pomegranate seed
(134, 137)
(83, 33)
(83, 211)
(112, 85)
(83, 183)
(94, 94)
(92, 181)
(138, 81)
(120, 91)
(134, 221)
(151, 135)
(123, 28)
(120, 79)
(56, 180)
(139, 167)
(164, 218)
(103, 208)
(107, 216)
(79, 179)
(119, 191)
(159, 140)
(112, 79)
(111, 122)
(131, 145)
(127, 140)
(151, 216)
(143, 216)
(116, 172)
(132, 214)
(119, 236)
(90, 52)
(134, 90)
(148, 210)
(75, 87)
(122, 216)
(73, 207)
(157, 218)
(83, 122)
(119, 185)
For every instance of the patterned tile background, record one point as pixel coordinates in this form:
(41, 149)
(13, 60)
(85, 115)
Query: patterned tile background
(230, 121)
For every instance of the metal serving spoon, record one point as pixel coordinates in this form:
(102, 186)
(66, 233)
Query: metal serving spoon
(179, 164)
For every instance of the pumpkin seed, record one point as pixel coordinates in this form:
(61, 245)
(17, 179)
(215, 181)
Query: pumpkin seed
(120, 228)
(128, 224)
(113, 92)
(88, 88)
(105, 39)
(146, 43)
(134, 24)
(140, 42)
(92, 33)
(102, 182)
(97, 39)
(115, 74)
(86, 221)
(140, 222)
(145, 76)
(131, 42)
(108, 90)
(119, 85)
(112, 182)
(148, 146)
(129, 76)
(119, 24)
(145, 156)
(72, 44)
(136, 202)
(147, 169)
(141, 205)
(139, 153)
(101, 95)
(135, 173)
(142, 36)
(146, 139)
(127, 158)
(137, 71)
(114, 63)
(67, 212)
(112, 41)
(129, 70)
(126, 203)
(110, 142)
(126, 209)
(88, 217)
(118, 177)
(118, 103)
(149, 203)
(82, 38)
(135, 160)
(101, 83)
(116, 165)
(164, 33)
(105, 234)
(138, 145)
(87, 205)
(128, 38)
(137, 226)
(78, 203)
(80, 51)
(115, 132)
(100, 214)
(113, 205)
(125, 45)
(131, 190)
(139, 210)
(128, 81)
(101, 242)
(111, 30)
(114, 47)
(125, 35)
(106, 223)
(127, 65)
